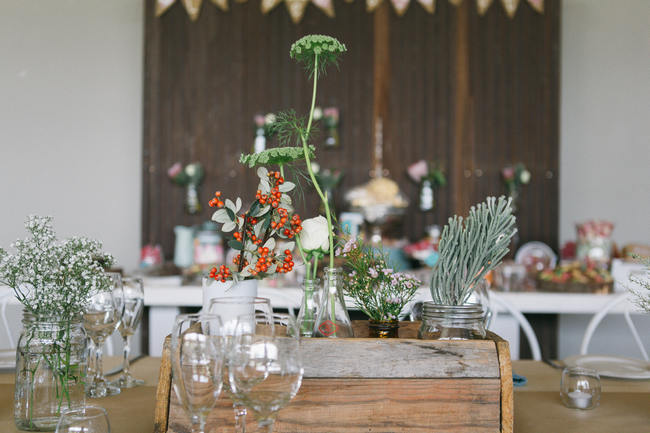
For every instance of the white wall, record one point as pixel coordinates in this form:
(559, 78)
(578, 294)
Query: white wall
(605, 116)
(70, 119)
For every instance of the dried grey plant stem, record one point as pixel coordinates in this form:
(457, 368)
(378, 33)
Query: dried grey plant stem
(471, 247)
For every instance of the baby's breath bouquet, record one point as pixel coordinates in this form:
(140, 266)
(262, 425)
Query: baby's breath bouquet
(378, 290)
(53, 280)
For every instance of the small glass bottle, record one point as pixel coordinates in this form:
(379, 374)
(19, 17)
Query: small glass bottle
(452, 322)
(426, 195)
(309, 306)
(51, 363)
(333, 320)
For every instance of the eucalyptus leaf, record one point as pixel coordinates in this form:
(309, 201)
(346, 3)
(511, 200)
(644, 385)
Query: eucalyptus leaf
(286, 187)
(230, 205)
(228, 227)
(263, 210)
(235, 245)
(262, 173)
(237, 204)
(270, 244)
(221, 216)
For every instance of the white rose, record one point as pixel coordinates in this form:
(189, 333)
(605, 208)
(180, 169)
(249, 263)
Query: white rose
(315, 235)
(525, 176)
(318, 113)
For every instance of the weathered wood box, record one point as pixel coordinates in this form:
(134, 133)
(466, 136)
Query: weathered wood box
(380, 385)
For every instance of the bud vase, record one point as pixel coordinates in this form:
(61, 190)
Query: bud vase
(333, 320)
(309, 306)
(383, 328)
(51, 364)
(216, 289)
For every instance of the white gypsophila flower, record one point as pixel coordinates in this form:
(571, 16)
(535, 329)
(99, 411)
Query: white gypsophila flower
(524, 177)
(315, 235)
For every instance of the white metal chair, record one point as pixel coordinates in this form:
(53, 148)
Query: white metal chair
(497, 300)
(4, 301)
(598, 317)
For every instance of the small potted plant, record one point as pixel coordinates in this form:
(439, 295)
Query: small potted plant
(469, 248)
(514, 176)
(190, 177)
(429, 176)
(378, 290)
(53, 281)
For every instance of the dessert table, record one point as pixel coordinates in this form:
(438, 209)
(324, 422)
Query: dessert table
(625, 405)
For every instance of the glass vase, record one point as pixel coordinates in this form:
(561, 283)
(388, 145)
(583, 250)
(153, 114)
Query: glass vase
(333, 320)
(192, 203)
(383, 328)
(309, 307)
(51, 362)
(452, 322)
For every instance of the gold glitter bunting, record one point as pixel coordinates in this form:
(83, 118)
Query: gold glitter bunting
(193, 8)
(538, 5)
(510, 6)
(267, 5)
(483, 5)
(162, 6)
(428, 5)
(455, 2)
(400, 6)
(221, 4)
(371, 5)
(326, 6)
(296, 9)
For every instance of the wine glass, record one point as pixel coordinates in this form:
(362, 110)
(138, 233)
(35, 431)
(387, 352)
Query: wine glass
(101, 317)
(89, 419)
(265, 371)
(133, 307)
(230, 308)
(197, 364)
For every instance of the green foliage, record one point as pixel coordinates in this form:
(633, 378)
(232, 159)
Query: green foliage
(290, 129)
(378, 291)
(470, 248)
(308, 48)
(275, 156)
(642, 297)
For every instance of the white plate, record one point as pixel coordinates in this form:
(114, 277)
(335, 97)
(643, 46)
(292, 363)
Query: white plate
(612, 366)
(7, 359)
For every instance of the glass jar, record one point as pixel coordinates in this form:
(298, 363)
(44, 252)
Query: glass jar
(51, 362)
(309, 307)
(580, 388)
(383, 328)
(333, 320)
(452, 322)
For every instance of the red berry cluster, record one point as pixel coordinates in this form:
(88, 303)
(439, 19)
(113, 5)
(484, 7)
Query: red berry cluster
(216, 201)
(237, 260)
(287, 266)
(222, 275)
(274, 197)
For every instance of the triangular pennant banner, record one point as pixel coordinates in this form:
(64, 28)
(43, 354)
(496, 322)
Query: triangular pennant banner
(267, 5)
(162, 6)
(455, 2)
(193, 8)
(510, 6)
(371, 5)
(221, 4)
(428, 5)
(538, 5)
(326, 6)
(483, 6)
(296, 9)
(400, 6)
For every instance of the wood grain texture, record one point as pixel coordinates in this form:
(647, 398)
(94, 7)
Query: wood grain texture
(366, 405)
(163, 391)
(398, 358)
(204, 82)
(505, 371)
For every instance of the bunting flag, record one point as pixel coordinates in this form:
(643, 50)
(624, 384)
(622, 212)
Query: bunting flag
(267, 5)
(296, 8)
(193, 7)
(221, 4)
(510, 6)
(428, 5)
(483, 6)
(326, 6)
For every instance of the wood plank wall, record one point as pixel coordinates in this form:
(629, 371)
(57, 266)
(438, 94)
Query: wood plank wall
(474, 93)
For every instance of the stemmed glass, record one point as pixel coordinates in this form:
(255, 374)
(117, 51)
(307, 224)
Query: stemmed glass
(197, 364)
(133, 306)
(89, 419)
(101, 317)
(265, 371)
(229, 309)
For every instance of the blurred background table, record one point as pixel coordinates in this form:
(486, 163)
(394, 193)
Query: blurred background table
(625, 405)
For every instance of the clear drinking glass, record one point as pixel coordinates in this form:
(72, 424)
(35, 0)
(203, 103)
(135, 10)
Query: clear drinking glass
(230, 308)
(265, 372)
(580, 388)
(197, 349)
(89, 419)
(101, 317)
(133, 307)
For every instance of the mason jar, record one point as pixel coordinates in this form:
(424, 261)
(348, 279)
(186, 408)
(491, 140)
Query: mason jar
(51, 362)
(452, 322)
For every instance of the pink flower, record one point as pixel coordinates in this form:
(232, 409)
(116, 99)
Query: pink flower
(418, 170)
(174, 170)
(259, 120)
(373, 272)
(331, 112)
(508, 173)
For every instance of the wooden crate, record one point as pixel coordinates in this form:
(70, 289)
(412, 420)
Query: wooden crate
(380, 385)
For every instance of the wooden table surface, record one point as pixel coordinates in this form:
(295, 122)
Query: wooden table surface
(624, 408)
